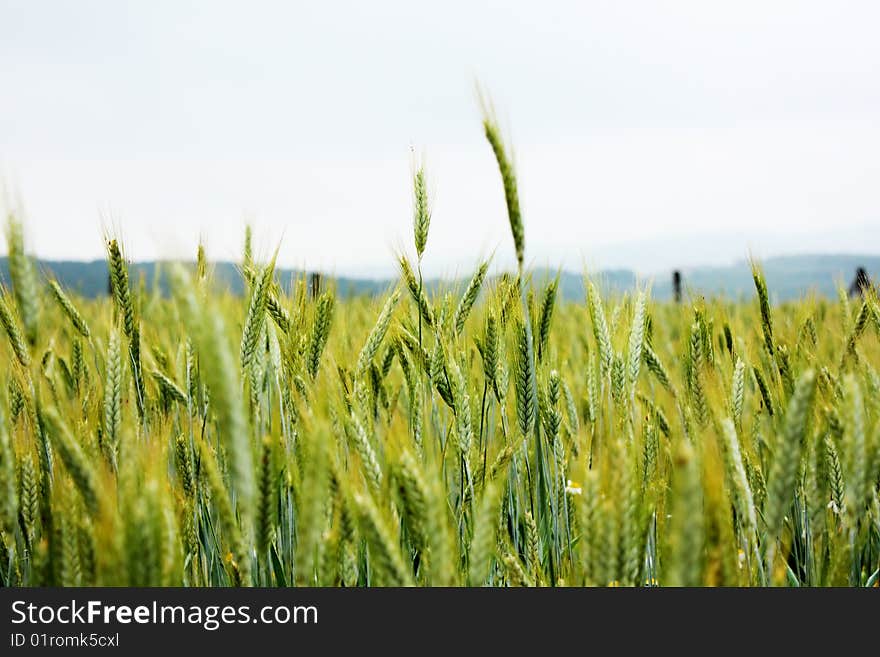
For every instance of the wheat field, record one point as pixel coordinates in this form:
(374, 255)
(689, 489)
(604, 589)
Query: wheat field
(487, 434)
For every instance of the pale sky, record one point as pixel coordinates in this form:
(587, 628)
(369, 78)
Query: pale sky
(647, 134)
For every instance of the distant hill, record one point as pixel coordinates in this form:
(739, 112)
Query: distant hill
(90, 279)
(788, 277)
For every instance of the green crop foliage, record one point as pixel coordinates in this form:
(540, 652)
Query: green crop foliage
(487, 434)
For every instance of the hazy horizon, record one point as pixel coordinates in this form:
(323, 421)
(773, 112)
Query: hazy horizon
(646, 138)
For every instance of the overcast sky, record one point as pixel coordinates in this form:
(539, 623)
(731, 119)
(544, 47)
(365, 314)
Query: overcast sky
(647, 134)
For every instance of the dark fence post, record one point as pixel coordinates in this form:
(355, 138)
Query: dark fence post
(314, 284)
(861, 284)
(676, 286)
